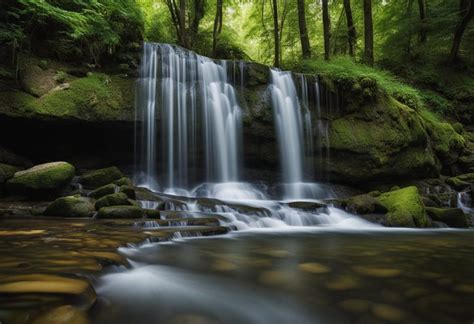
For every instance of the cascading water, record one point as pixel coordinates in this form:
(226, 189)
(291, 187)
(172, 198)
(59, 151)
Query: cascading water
(189, 129)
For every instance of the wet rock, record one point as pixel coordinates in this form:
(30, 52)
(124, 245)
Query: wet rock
(377, 271)
(152, 213)
(461, 182)
(129, 191)
(71, 206)
(388, 313)
(103, 191)
(40, 180)
(405, 208)
(42, 283)
(309, 206)
(61, 315)
(100, 177)
(365, 204)
(120, 212)
(453, 217)
(116, 199)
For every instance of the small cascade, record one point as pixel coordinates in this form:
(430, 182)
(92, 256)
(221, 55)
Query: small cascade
(322, 131)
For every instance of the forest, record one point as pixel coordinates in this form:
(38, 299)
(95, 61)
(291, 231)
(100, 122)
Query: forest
(236, 161)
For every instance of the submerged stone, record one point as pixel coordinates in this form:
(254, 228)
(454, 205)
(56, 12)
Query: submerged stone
(43, 179)
(42, 283)
(100, 177)
(61, 315)
(388, 312)
(377, 271)
(120, 212)
(313, 267)
(355, 305)
(71, 206)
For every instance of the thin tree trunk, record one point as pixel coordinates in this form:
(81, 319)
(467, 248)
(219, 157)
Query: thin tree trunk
(305, 47)
(217, 26)
(469, 12)
(276, 34)
(351, 30)
(422, 9)
(326, 30)
(368, 33)
(182, 23)
(198, 15)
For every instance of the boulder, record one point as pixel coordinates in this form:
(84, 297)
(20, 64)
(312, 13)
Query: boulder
(365, 204)
(405, 208)
(115, 199)
(71, 206)
(120, 212)
(461, 182)
(7, 172)
(129, 191)
(44, 179)
(104, 191)
(308, 206)
(453, 217)
(100, 177)
(125, 181)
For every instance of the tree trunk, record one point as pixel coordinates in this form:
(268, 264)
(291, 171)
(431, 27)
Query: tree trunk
(217, 26)
(305, 47)
(198, 15)
(276, 34)
(368, 33)
(469, 12)
(326, 30)
(351, 31)
(182, 23)
(422, 9)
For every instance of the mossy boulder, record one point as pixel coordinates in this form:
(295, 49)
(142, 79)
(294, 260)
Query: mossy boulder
(125, 181)
(101, 177)
(44, 179)
(453, 217)
(365, 204)
(115, 199)
(120, 212)
(461, 182)
(71, 206)
(104, 191)
(7, 172)
(129, 191)
(405, 208)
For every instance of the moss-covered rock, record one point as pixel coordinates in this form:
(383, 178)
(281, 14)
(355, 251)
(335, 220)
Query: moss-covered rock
(125, 181)
(116, 199)
(43, 179)
(405, 208)
(365, 204)
(71, 206)
(129, 191)
(101, 177)
(461, 182)
(7, 171)
(120, 212)
(104, 191)
(453, 217)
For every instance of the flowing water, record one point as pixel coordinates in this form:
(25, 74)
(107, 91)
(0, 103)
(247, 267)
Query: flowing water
(290, 256)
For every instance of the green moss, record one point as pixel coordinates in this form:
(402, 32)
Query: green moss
(103, 191)
(453, 217)
(100, 177)
(365, 204)
(70, 206)
(405, 207)
(7, 172)
(125, 181)
(116, 199)
(129, 191)
(42, 178)
(461, 182)
(120, 212)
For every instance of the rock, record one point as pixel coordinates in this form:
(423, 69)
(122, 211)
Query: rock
(43, 179)
(104, 191)
(152, 213)
(129, 191)
(453, 217)
(313, 267)
(388, 313)
(308, 206)
(461, 182)
(42, 283)
(61, 315)
(71, 206)
(115, 199)
(36, 80)
(405, 208)
(365, 204)
(7, 172)
(63, 86)
(101, 177)
(377, 271)
(125, 181)
(120, 212)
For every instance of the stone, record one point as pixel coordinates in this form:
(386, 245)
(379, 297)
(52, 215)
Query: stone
(115, 199)
(129, 191)
(365, 204)
(71, 206)
(453, 217)
(101, 177)
(120, 212)
(405, 208)
(342, 283)
(104, 191)
(308, 206)
(125, 181)
(7, 172)
(62, 314)
(377, 271)
(388, 312)
(43, 179)
(42, 283)
(313, 267)
(461, 182)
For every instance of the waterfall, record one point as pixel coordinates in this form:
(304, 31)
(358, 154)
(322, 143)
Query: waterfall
(188, 100)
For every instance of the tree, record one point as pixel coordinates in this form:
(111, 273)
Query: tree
(351, 30)
(368, 33)
(467, 10)
(217, 26)
(276, 33)
(326, 30)
(422, 9)
(305, 47)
